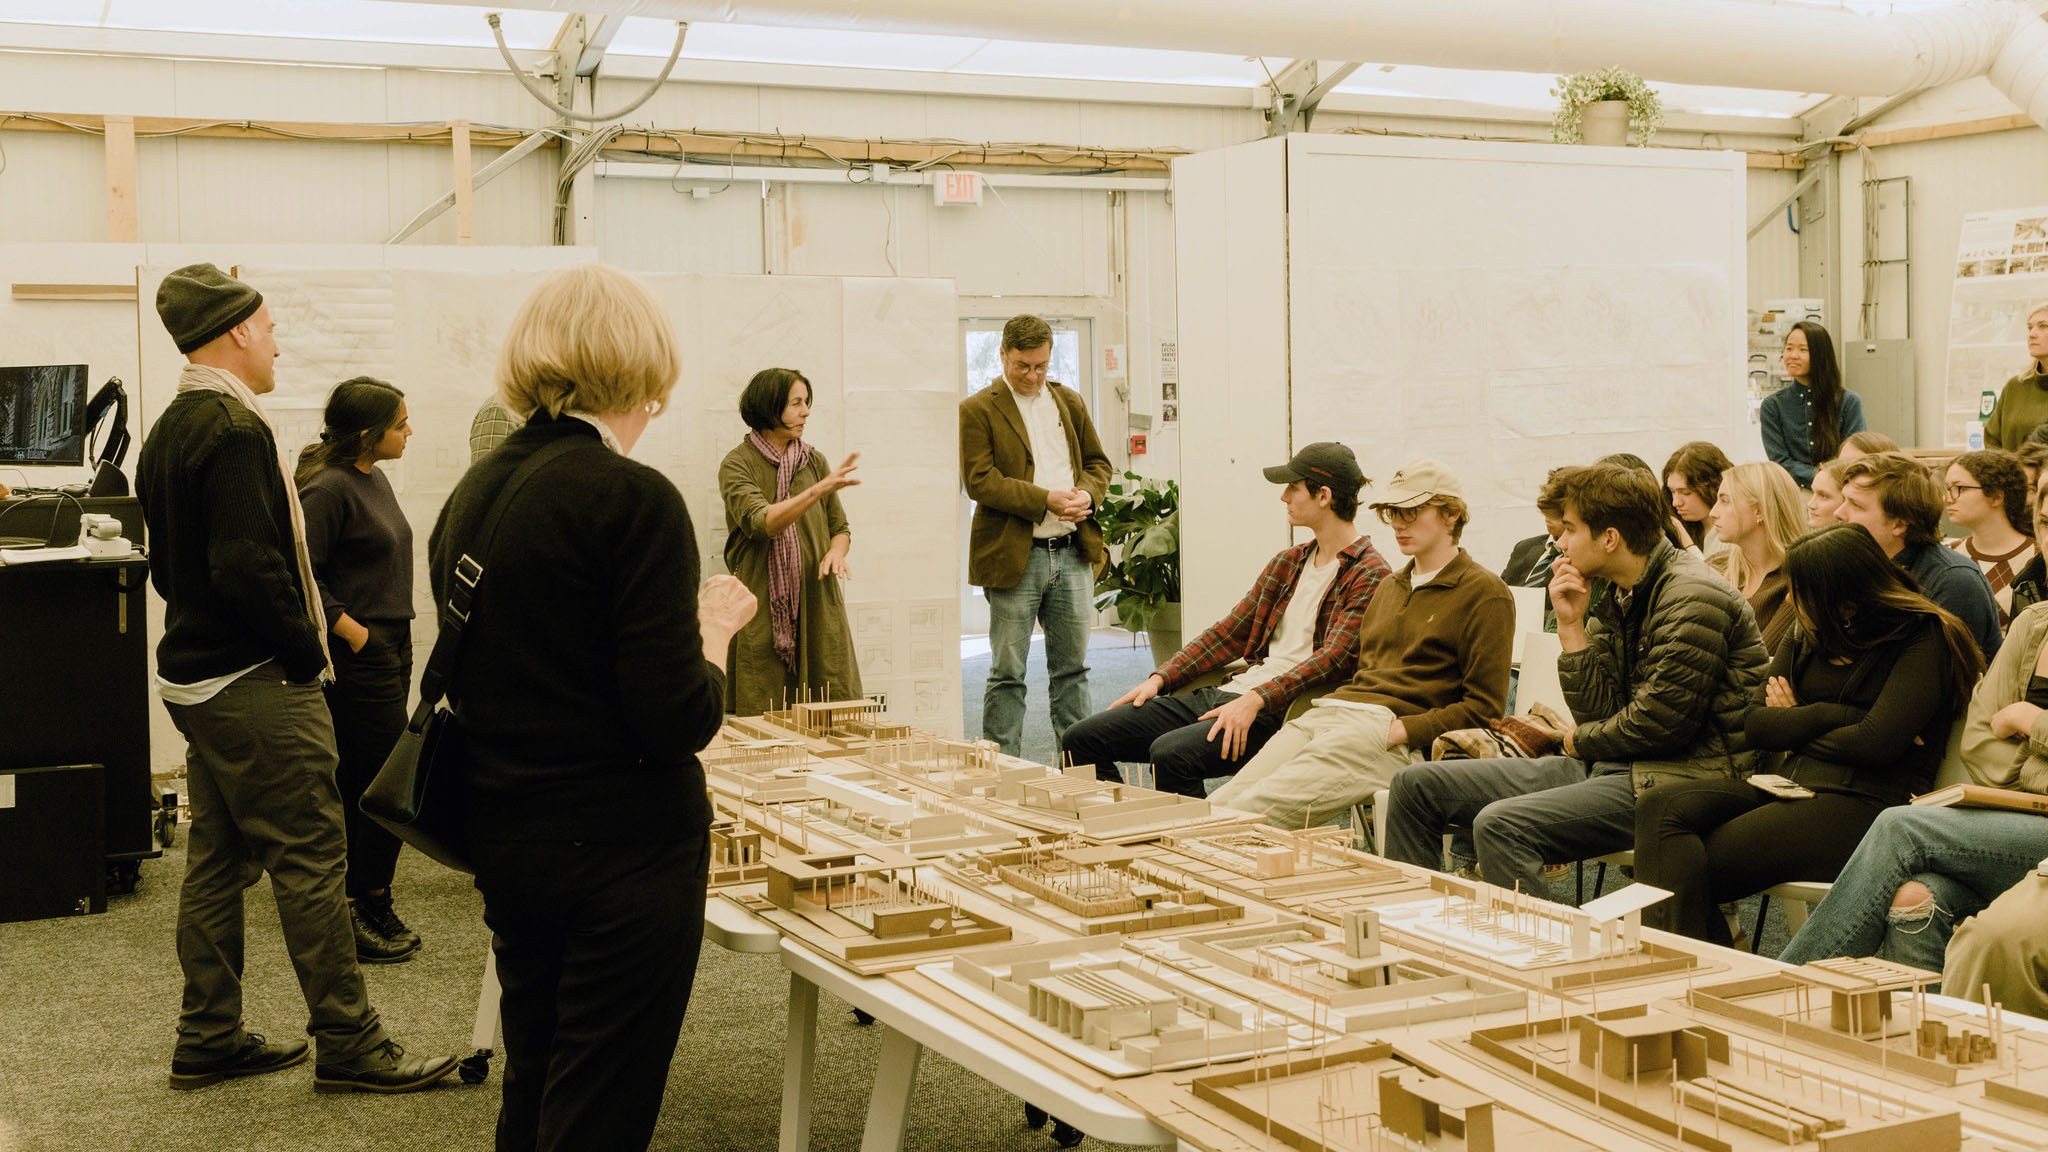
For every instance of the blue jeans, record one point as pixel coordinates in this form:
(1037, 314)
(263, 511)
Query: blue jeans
(1055, 595)
(1965, 856)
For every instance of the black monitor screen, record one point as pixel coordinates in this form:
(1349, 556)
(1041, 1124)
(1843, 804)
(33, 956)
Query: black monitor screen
(42, 414)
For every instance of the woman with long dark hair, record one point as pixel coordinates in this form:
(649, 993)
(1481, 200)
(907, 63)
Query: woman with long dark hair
(1860, 698)
(1804, 426)
(786, 540)
(1692, 481)
(1988, 498)
(361, 548)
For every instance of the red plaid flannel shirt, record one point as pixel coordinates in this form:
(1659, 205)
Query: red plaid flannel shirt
(1245, 632)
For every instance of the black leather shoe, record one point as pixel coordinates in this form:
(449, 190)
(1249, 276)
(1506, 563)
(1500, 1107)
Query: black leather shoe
(377, 910)
(255, 1057)
(371, 946)
(384, 1068)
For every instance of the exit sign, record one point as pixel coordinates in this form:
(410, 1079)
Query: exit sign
(957, 188)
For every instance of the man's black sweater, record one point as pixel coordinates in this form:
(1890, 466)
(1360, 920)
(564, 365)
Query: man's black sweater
(220, 533)
(581, 687)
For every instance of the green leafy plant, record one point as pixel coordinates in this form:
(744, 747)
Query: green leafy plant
(1645, 110)
(1140, 522)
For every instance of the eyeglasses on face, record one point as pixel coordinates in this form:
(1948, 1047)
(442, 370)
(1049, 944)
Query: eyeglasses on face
(1955, 491)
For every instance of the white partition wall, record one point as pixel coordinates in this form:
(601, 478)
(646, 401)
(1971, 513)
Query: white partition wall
(1230, 244)
(1506, 308)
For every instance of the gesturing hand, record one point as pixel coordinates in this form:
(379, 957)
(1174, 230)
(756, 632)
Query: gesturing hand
(724, 605)
(1146, 689)
(1233, 723)
(834, 564)
(840, 477)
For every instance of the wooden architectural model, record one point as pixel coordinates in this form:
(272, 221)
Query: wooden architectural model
(868, 910)
(1362, 1098)
(1091, 890)
(1347, 981)
(1104, 1006)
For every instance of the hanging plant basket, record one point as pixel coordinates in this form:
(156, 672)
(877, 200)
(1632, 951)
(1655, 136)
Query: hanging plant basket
(1575, 94)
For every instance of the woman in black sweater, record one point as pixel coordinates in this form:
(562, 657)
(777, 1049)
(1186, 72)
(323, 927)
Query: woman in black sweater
(591, 673)
(1861, 697)
(361, 550)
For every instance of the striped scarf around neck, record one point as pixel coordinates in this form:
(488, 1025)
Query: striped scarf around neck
(785, 558)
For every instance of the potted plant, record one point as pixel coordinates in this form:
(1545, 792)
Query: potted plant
(1605, 107)
(1140, 521)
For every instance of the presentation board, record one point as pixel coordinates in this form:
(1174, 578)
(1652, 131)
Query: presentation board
(1504, 308)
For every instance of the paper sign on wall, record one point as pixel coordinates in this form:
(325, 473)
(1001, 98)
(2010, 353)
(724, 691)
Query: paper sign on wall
(1113, 362)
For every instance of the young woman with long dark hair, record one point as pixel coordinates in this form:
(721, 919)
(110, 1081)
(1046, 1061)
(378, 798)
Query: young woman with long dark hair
(1860, 698)
(361, 548)
(1804, 426)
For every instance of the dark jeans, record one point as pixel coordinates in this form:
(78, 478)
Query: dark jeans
(1523, 814)
(259, 768)
(367, 700)
(1712, 841)
(597, 948)
(1165, 733)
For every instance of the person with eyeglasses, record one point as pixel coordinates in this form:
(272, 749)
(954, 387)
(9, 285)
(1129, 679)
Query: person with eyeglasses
(1987, 498)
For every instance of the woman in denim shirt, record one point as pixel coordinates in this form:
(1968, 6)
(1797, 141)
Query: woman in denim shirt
(1805, 426)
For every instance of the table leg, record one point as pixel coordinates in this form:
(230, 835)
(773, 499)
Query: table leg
(484, 1034)
(798, 1052)
(889, 1105)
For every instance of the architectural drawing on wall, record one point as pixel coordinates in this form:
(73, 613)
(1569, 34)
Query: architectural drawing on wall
(42, 414)
(868, 910)
(1361, 1098)
(1345, 979)
(1555, 946)
(1846, 1008)
(1670, 1075)
(927, 618)
(1091, 891)
(1098, 1003)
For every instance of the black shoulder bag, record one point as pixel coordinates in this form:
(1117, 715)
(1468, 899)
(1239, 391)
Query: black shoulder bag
(420, 793)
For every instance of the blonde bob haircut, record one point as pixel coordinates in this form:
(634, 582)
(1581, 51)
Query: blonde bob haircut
(589, 339)
(1769, 489)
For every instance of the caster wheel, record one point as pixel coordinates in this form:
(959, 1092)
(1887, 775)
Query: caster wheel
(861, 1018)
(1034, 1116)
(476, 1068)
(1065, 1135)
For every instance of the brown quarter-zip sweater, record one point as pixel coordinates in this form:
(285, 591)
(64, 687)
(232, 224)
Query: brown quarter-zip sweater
(1436, 656)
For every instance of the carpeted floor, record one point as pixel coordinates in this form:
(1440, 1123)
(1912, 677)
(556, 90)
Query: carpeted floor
(87, 1006)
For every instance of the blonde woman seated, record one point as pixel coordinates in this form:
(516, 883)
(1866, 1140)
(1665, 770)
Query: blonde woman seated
(1987, 497)
(1757, 514)
(1866, 443)
(1827, 493)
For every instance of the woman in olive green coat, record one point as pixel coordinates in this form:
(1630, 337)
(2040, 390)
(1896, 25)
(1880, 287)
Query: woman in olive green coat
(786, 540)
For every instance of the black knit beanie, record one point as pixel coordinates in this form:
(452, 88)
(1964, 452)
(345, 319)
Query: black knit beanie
(199, 302)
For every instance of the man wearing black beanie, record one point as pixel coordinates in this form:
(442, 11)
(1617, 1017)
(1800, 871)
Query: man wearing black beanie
(239, 667)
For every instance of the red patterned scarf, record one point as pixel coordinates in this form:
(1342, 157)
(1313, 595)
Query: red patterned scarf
(786, 561)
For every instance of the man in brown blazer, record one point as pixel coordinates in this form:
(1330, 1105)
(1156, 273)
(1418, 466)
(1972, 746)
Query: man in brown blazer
(1031, 462)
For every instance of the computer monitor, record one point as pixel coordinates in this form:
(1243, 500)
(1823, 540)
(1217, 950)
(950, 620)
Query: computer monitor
(42, 414)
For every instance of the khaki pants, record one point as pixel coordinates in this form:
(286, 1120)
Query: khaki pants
(1316, 767)
(2002, 946)
(260, 772)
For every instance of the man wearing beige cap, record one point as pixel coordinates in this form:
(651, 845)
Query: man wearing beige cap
(239, 668)
(1433, 653)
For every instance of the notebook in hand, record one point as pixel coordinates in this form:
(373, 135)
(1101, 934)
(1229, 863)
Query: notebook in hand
(1979, 796)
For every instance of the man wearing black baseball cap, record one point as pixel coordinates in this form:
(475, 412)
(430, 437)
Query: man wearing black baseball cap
(239, 667)
(1295, 631)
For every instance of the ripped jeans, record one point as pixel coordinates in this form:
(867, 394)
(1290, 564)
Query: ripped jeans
(1965, 856)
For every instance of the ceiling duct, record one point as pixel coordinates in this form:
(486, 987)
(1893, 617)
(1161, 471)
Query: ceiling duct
(1727, 43)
